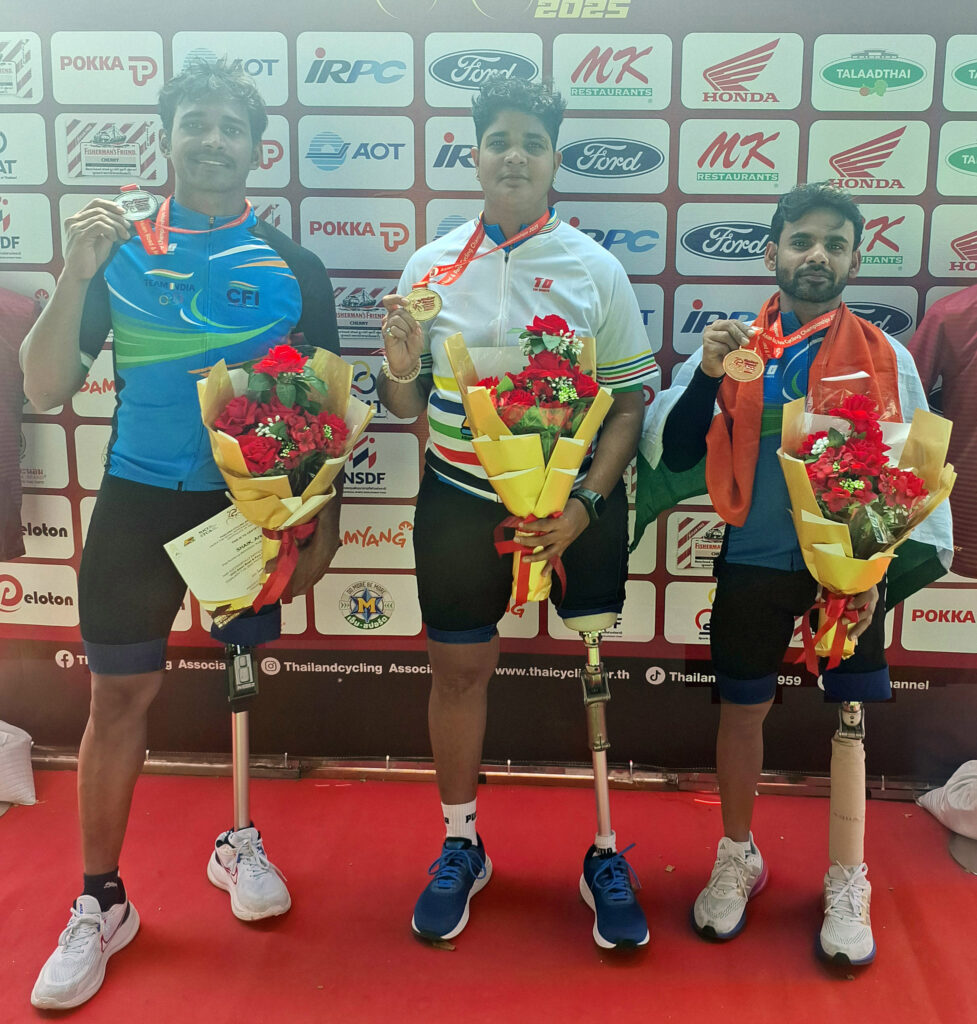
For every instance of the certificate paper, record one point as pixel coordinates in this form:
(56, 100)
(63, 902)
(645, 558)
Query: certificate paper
(220, 560)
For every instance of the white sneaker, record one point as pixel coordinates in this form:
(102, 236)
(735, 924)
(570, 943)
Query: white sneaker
(719, 911)
(846, 934)
(239, 866)
(75, 970)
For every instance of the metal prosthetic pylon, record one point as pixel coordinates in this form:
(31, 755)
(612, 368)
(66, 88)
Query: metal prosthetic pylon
(242, 688)
(851, 720)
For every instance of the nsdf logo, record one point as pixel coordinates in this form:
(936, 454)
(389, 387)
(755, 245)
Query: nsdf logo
(38, 595)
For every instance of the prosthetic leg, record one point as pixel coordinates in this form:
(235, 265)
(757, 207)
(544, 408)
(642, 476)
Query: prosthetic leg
(846, 934)
(606, 882)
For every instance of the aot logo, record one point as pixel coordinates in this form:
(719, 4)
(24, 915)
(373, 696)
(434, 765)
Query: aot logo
(348, 72)
(963, 159)
(731, 241)
(965, 246)
(610, 72)
(366, 605)
(392, 234)
(634, 241)
(873, 72)
(328, 151)
(11, 593)
(256, 67)
(142, 69)
(966, 74)
(454, 154)
(611, 158)
(855, 165)
(467, 69)
(737, 157)
(890, 319)
(729, 78)
(875, 236)
(700, 318)
(447, 224)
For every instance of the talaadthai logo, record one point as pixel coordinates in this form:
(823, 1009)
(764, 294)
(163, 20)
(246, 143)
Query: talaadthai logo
(964, 159)
(966, 74)
(873, 72)
(729, 78)
(727, 240)
(611, 158)
(855, 165)
(467, 69)
(890, 319)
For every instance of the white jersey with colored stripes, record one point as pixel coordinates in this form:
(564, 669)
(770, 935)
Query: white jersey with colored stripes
(558, 271)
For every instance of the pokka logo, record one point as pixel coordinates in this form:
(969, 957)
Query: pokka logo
(966, 74)
(733, 241)
(366, 605)
(966, 248)
(875, 231)
(611, 158)
(964, 159)
(142, 69)
(730, 78)
(739, 152)
(467, 69)
(392, 234)
(611, 72)
(855, 165)
(873, 72)
(271, 152)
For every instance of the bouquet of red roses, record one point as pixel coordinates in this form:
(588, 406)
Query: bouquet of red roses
(531, 431)
(281, 428)
(852, 507)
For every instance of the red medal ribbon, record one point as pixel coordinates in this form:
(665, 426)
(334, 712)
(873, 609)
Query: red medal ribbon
(450, 272)
(156, 240)
(504, 547)
(836, 615)
(287, 559)
(771, 344)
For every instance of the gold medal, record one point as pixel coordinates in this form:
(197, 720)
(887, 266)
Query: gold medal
(423, 304)
(743, 365)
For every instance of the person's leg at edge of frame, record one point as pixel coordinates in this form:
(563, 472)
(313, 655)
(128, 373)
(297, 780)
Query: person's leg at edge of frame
(456, 721)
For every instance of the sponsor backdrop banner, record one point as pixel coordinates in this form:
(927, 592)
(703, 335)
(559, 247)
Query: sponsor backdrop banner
(676, 144)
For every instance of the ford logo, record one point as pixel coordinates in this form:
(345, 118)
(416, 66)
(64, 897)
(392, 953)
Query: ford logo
(467, 69)
(890, 319)
(734, 240)
(611, 158)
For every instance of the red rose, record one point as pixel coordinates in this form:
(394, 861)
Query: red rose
(239, 414)
(335, 432)
(586, 386)
(551, 324)
(259, 452)
(280, 359)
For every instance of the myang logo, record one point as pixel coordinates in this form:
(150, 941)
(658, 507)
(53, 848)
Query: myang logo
(142, 69)
(855, 166)
(873, 72)
(731, 79)
(732, 241)
(890, 319)
(611, 158)
(947, 615)
(467, 69)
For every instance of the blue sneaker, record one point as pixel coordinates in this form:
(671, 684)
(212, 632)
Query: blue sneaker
(441, 911)
(605, 885)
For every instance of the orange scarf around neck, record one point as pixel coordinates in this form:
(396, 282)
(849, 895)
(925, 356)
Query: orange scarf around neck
(733, 442)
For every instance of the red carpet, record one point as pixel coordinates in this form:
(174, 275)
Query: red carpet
(355, 857)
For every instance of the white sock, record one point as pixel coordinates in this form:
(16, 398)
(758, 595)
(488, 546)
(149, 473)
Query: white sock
(745, 847)
(460, 821)
(606, 844)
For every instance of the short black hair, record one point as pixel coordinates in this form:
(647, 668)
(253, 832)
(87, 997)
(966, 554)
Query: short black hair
(816, 195)
(202, 80)
(500, 93)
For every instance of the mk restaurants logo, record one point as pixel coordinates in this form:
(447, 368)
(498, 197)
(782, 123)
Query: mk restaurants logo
(610, 72)
(874, 252)
(738, 157)
(731, 79)
(855, 166)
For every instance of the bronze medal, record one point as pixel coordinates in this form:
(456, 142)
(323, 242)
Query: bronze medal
(423, 304)
(743, 365)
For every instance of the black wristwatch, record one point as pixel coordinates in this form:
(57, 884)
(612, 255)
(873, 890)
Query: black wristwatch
(591, 501)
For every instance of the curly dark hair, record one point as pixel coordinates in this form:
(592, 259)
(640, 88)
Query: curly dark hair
(499, 93)
(200, 80)
(816, 195)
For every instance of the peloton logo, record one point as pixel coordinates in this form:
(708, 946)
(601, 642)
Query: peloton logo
(11, 593)
(366, 605)
(855, 166)
(467, 69)
(729, 241)
(729, 78)
(142, 69)
(13, 596)
(611, 158)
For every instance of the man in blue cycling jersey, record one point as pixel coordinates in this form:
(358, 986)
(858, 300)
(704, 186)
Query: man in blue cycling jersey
(169, 300)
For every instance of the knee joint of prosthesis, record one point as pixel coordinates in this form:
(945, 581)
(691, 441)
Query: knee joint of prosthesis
(846, 832)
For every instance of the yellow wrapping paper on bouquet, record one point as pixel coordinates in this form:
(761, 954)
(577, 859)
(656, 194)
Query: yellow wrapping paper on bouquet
(514, 463)
(267, 501)
(825, 544)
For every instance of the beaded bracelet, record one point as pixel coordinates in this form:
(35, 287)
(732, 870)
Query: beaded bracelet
(390, 375)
